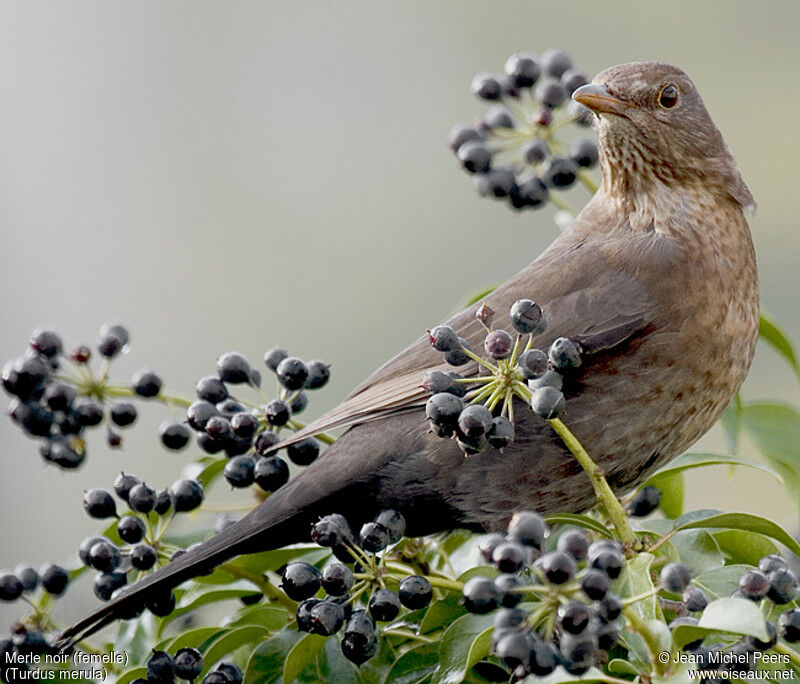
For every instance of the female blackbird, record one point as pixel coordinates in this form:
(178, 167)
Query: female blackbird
(656, 279)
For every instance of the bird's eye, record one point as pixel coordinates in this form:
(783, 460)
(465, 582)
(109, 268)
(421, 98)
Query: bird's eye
(668, 97)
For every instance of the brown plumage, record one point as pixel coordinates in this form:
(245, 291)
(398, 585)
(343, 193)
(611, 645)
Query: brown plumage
(656, 278)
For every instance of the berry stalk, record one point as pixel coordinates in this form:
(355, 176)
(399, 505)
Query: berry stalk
(606, 497)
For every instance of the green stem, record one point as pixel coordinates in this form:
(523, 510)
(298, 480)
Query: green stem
(169, 399)
(267, 588)
(662, 540)
(321, 436)
(440, 582)
(591, 186)
(793, 655)
(650, 639)
(561, 204)
(409, 635)
(479, 360)
(602, 491)
(639, 597)
(481, 393)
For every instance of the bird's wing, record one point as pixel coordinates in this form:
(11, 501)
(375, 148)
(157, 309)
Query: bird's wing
(584, 296)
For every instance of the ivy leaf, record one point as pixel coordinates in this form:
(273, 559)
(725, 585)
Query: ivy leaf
(272, 560)
(477, 295)
(580, 521)
(229, 641)
(775, 430)
(266, 662)
(742, 521)
(204, 599)
(779, 341)
(453, 540)
(720, 582)
(670, 484)
(731, 422)
(414, 665)
(635, 580)
(302, 654)
(744, 547)
(211, 471)
(130, 675)
(730, 615)
(561, 676)
(266, 560)
(689, 461)
(698, 550)
(463, 644)
(441, 613)
(269, 617)
(199, 638)
(694, 516)
(482, 570)
(620, 666)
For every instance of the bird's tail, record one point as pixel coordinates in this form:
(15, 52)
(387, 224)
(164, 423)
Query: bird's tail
(266, 527)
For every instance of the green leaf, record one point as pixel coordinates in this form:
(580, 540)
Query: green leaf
(134, 637)
(130, 675)
(441, 613)
(561, 676)
(620, 666)
(302, 653)
(693, 516)
(206, 598)
(775, 430)
(731, 422)
(266, 560)
(720, 582)
(698, 549)
(453, 540)
(744, 547)
(463, 644)
(199, 638)
(689, 461)
(744, 521)
(730, 615)
(670, 485)
(476, 296)
(272, 560)
(265, 664)
(483, 570)
(779, 341)
(635, 580)
(229, 641)
(580, 521)
(414, 665)
(269, 617)
(212, 471)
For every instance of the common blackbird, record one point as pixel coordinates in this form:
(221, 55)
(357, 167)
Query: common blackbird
(656, 278)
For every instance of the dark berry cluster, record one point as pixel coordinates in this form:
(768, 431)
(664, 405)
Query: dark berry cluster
(23, 642)
(466, 408)
(187, 664)
(515, 151)
(569, 613)
(355, 599)
(25, 580)
(141, 530)
(57, 396)
(246, 431)
(772, 585)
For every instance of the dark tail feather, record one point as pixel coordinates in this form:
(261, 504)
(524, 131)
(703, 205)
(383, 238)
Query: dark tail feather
(230, 542)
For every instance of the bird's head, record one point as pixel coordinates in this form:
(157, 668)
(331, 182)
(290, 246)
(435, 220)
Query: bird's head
(654, 130)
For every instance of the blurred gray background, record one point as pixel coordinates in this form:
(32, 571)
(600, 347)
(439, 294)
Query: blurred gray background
(235, 175)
